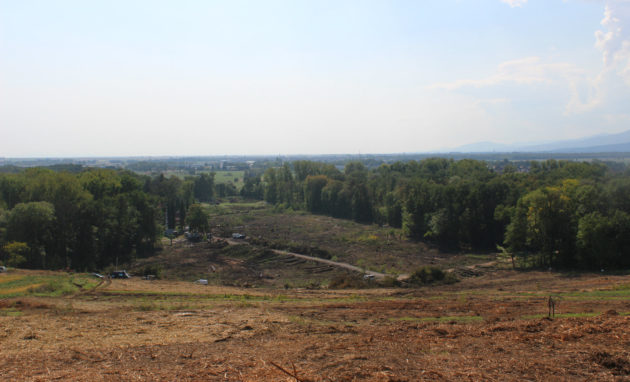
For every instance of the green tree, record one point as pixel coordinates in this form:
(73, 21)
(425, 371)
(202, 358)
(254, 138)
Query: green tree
(204, 187)
(604, 241)
(198, 219)
(271, 186)
(252, 188)
(33, 223)
(313, 186)
(12, 189)
(16, 253)
(548, 215)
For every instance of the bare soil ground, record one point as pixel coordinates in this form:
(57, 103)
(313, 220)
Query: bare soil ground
(493, 327)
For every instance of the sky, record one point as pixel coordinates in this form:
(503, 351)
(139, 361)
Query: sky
(274, 77)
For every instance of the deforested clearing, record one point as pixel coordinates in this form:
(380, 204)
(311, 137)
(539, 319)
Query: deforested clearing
(491, 327)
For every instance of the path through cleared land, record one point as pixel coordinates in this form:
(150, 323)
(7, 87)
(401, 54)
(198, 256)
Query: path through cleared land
(377, 275)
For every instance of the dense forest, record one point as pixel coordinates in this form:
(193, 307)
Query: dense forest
(557, 213)
(92, 218)
(553, 213)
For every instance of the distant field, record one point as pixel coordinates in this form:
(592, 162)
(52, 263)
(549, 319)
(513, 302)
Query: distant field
(220, 177)
(236, 177)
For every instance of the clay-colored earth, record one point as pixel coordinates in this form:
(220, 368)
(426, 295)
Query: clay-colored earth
(492, 327)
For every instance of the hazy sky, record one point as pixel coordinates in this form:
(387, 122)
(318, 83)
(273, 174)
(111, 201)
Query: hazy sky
(200, 77)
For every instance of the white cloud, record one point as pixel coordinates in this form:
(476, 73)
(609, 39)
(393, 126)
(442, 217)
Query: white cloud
(614, 44)
(532, 71)
(515, 3)
(586, 91)
(525, 71)
(614, 40)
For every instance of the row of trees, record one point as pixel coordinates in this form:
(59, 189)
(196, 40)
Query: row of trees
(585, 223)
(87, 220)
(93, 218)
(559, 213)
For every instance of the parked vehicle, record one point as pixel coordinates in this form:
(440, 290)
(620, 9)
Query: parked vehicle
(193, 236)
(238, 236)
(119, 274)
(3, 268)
(171, 232)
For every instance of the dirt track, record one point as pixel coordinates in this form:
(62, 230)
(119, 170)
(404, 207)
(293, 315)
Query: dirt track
(349, 267)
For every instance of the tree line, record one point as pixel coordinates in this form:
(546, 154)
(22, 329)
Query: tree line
(558, 213)
(92, 218)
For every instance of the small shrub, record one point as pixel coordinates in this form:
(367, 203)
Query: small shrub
(16, 253)
(390, 282)
(450, 278)
(57, 287)
(347, 282)
(431, 275)
(147, 307)
(153, 269)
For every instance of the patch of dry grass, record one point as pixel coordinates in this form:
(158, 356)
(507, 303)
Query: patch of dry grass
(471, 330)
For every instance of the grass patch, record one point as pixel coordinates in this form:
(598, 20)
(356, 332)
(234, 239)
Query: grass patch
(54, 288)
(44, 286)
(311, 321)
(600, 294)
(463, 319)
(198, 296)
(235, 177)
(480, 257)
(562, 315)
(156, 306)
(10, 313)
(145, 299)
(624, 287)
(9, 279)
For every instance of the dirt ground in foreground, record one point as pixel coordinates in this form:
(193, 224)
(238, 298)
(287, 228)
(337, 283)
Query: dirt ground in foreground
(490, 328)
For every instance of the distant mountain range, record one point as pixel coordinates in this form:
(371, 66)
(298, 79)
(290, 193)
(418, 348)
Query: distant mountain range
(603, 143)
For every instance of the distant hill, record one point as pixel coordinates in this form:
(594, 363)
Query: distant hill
(619, 142)
(615, 148)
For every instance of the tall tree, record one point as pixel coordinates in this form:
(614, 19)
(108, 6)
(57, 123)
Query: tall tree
(33, 224)
(204, 187)
(198, 219)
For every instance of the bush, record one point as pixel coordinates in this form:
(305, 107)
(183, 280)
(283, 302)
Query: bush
(16, 253)
(55, 287)
(390, 282)
(431, 275)
(348, 282)
(153, 269)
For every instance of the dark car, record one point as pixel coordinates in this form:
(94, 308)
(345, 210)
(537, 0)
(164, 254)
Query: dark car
(119, 275)
(193, 236)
